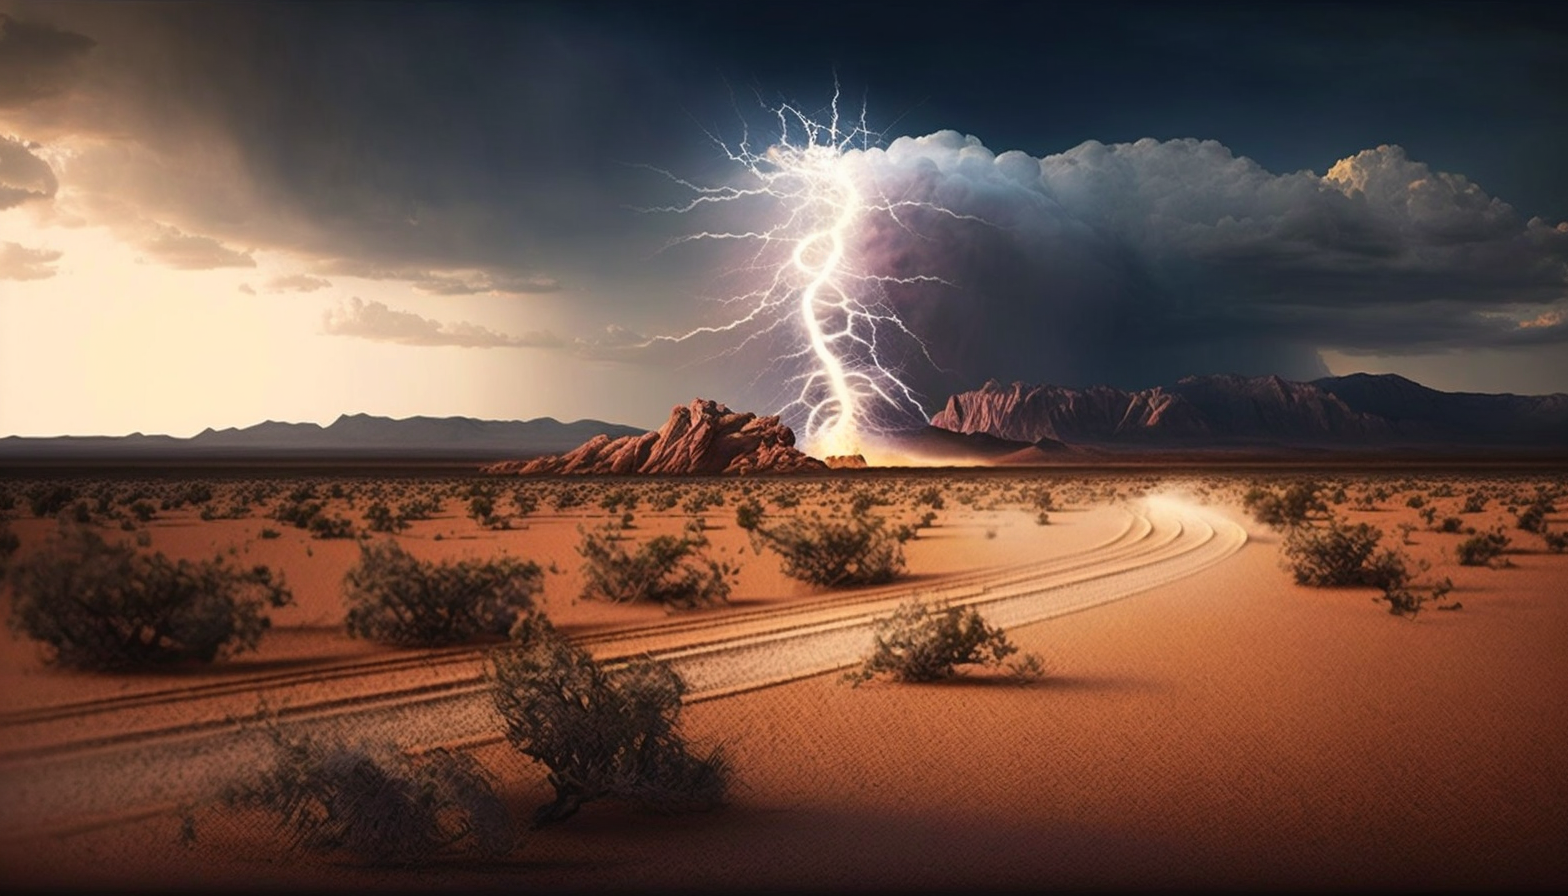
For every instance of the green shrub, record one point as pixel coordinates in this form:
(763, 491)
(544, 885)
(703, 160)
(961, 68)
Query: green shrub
(855, 550)
(920, 642)
(396, 598)
(666, 569)
(377, 804)
(600, 732)
(107, 606)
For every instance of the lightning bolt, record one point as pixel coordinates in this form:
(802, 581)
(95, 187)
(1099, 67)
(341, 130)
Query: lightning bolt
(815, 284)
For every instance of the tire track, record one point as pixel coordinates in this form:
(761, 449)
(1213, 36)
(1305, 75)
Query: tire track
(79, 787)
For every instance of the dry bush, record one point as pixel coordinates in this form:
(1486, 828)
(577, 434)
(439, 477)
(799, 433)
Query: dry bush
(666, 569)
(396, 598)
(1481, 548)
(921, 642)
(107, 606)
(1284, 510)
(1340, 554)
(377, 804)
(831, 553)
(1336, 554)
(601, 732)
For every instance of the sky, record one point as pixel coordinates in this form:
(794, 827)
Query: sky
(214, 214)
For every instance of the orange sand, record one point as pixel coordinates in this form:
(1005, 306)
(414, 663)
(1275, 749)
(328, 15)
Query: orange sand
(1229, 730)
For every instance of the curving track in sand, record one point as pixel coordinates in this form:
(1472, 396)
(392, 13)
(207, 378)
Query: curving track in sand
(79, 766)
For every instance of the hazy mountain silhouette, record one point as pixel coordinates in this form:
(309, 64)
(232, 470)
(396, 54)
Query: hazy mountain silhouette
(351, 435)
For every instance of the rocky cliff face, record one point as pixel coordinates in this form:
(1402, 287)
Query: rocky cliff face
(704, 437)
(1194, 411)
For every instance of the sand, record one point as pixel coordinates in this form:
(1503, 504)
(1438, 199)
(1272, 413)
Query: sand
(1227, 730)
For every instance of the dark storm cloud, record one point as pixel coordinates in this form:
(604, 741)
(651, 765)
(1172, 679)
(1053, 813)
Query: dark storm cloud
(36, 60)
(1144, 262)
(482, 149)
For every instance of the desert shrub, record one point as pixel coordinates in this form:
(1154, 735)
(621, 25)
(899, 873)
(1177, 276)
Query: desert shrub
(748, 514)
(297, 513)
(921, 642)
(931, 496)
(418, 509)
(380, 518)
(601, 732)
(323, 526)
(1428, 515)
(378, 804)
(108, 606)
(1284, 510)
(1335, 554)
(1533, 517)
(1451, 524)
(525, 502)
(830, 553)
(48, 499)
(1481, 548)
(1415, 502)
(1556, 542)
(9, 544)
(267, 533)
(666, 569)
(1475, 502)
(395, 598)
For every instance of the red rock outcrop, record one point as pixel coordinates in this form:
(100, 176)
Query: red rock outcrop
(704, 437)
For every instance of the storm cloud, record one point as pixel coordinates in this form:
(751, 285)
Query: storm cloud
(1143, 262)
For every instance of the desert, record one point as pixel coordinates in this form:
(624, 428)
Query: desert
(1228, 728)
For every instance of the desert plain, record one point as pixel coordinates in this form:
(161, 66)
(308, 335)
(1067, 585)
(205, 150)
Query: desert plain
(1215, 726)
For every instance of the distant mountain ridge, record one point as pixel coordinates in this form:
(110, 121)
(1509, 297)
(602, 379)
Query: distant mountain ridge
(351, 435)
(1359, 410)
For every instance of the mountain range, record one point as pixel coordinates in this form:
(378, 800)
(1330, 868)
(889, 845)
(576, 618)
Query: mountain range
(350, 436)
(1362, 411)
(1017, 423)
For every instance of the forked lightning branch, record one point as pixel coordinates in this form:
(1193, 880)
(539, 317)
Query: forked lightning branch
(813, 284)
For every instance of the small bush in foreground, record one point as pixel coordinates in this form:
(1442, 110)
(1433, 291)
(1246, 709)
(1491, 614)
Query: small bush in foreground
(857, 550)
(602, 732)
(107, 606)
(666, 569)
(379, 805)
(920, 642)
(396, 598)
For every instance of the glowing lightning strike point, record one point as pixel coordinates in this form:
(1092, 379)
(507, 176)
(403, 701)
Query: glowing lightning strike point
(840, 308)
(838, 435)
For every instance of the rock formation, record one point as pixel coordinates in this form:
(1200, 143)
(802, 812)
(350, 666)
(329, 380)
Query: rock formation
(703, 437)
